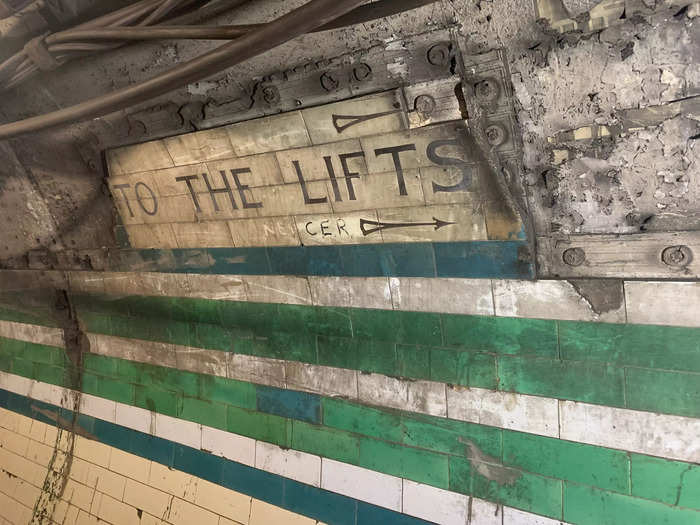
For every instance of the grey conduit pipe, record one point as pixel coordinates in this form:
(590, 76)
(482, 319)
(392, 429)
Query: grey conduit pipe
(305, 19)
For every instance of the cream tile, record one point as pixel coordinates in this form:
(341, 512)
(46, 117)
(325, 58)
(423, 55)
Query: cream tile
(320, 122)
(140, 157)
(265, 514)
(209, 234)
(129, 465)
(267, 134)
(264, 231)
(333, 229)
(382, 190)
(172, 481)
(184, 513)
(252, 171)
(116, 512)
(466, 224)
(200, 146)
(313, 165)
(146, 498)
(223, 501)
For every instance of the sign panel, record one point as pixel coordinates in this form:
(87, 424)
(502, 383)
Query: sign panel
(355, 172)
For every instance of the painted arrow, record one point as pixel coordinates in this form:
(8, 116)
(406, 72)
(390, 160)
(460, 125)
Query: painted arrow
(379, 226)
(357, 119)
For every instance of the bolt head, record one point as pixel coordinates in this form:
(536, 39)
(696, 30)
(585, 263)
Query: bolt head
(439, 54)
(425, 104)
(329, 82)
(677, 256)
(495, 134)
(270, 94)
(574, 256)
(361, 72)
(487, 91)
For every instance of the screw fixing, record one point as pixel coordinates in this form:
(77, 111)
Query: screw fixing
(329, 82)
(574, 256)
(362, 72)
(270, 94)
(487, 90)
(495, 134)
(677, 256)
(439, 54)
(425, 104)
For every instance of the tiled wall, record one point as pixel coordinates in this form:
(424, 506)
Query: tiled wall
(385, 400)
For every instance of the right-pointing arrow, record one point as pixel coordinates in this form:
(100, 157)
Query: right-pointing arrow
(367, 227)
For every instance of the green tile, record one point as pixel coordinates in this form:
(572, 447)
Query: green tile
(55, 375)
(113, 389)
(172, 379)
(580, 381)
(672, 482)
(211, 336)
(395, 326)
(667, 347)
(99, 364)
(405, 462)
(292, 347)
(157, 400)
(265, 427)
(96, 322)
(413, 361)
(589, 506)
(460, 367)
(326, 442)
(663, 391)
(229, 391)
(319, 320)
(204, 412)
(377, 356)
(5, 362)
(450, 436)
(597, 466)
(340, 352)
(49, 355)
(501, 335)
(360, 419)
(511, 487)
(257, 317)
(13, 347)
(22, 367)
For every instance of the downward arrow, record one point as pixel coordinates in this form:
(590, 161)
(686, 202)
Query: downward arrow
(366, 225)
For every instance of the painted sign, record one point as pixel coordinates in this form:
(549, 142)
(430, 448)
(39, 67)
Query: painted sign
(361, 171)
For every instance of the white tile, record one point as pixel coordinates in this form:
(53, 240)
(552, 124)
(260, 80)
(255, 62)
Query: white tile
(44, 335)
(536, 415)
(237, 448)
(549, 300)
(451, 296)
(484, 513)
(261, 370)
(222, 287)
(47, 393)
(433, 504)
(323, 380)
(426, 397)
(201, 360)
(285, 289)
(354, 292)
(17, 384)
(179, 431)
(135, 418)
(671, 437)
(366, 485)
(518, 517)
(666, 303)
(299, 466)
(98, 407)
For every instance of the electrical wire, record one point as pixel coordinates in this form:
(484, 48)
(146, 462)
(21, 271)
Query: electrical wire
(304, 19)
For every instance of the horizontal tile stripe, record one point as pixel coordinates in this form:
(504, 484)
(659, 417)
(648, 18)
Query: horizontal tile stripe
(112, 485)
(582, 503)
(477, 259)
(606, 468)
(577, 361)
(534, 415)
(257, 482)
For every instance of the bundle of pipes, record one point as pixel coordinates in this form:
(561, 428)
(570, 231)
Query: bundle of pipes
(134, 23)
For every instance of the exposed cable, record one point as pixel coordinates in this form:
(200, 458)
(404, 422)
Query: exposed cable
(304, 19)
